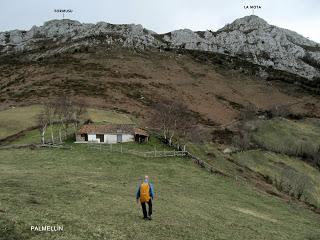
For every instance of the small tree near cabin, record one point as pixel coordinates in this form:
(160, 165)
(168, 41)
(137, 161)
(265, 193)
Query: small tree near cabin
(42, 123)
(173, 120)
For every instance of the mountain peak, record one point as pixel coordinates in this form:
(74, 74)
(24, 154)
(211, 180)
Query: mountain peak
(60, 22)
(247, 23)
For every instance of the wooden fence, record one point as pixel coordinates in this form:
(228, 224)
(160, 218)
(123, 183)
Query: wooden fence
(210, 168)
(165, 153)
(121, 149)
(203, 164)
(156, 153)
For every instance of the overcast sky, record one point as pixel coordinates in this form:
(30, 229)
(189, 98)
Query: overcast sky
(302, 16)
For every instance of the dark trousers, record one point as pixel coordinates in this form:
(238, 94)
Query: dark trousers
(144, 209)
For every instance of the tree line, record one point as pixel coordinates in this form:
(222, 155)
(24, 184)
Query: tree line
(61, 112)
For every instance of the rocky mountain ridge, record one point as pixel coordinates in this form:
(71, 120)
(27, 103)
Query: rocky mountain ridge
(250, 38)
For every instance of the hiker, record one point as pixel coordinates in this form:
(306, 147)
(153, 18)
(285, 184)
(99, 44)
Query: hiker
(145, 193)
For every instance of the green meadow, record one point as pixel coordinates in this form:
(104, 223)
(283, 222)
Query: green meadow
(91, 193)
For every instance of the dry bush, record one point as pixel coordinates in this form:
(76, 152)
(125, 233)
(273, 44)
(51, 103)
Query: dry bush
(293, 183)
(280, 111)
(305, 150)
(248, 113)
(242, 141)
(315, 159)
(199, 134)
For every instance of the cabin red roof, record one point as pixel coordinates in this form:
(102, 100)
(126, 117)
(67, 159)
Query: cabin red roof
(111, 129)
(139, 131)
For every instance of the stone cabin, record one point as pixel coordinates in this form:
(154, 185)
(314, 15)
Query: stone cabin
(110, 133)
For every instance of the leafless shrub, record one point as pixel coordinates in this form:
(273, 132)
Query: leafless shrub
(242, 140)
(315, 158)
(199, 135)
(248, 113)
(280, 111)
(292, 183)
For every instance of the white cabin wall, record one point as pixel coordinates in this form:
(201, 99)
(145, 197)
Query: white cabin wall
(92, 138)
(110, 138)
(127, 138)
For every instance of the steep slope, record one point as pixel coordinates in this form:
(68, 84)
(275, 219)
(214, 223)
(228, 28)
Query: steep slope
(133, 81)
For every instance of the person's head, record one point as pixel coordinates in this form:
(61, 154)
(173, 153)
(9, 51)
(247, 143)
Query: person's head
(146, 178)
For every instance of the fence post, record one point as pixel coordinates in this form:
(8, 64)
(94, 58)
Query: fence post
(121, 148)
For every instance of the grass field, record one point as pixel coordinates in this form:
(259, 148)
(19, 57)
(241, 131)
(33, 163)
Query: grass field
(92, 194)
(14, 120)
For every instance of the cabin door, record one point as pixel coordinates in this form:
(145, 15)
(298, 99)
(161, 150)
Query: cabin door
(85, 136)
(100, 137)
(119, 138)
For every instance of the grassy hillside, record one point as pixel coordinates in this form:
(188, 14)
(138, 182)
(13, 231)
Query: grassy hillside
(283, 138)
(288, 136)
(281, 169)
(16, 119)
(210, 153)
(92, 194)
(109, 116)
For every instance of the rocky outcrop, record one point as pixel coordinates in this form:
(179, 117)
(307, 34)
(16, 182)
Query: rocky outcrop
(255, 40)
(62, 35)
(250, 38)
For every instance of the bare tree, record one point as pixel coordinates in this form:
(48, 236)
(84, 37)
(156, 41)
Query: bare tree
(68, 112)
(61, 111)
(64, 111)
(42, 123)
(174, 120)
(79, 110)
(49, 111)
